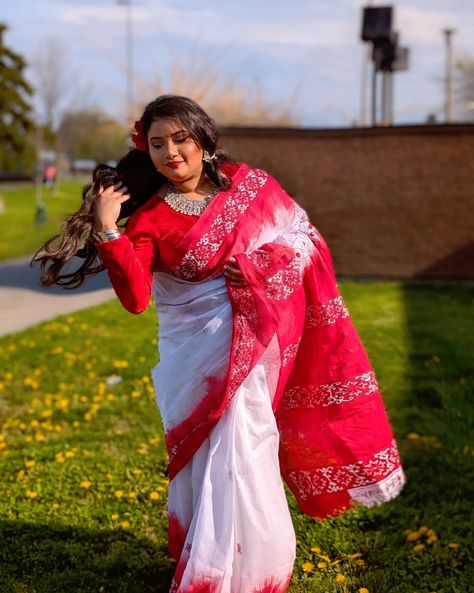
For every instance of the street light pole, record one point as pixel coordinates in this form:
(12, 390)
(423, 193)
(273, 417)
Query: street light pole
(448, 100)
(129, 55)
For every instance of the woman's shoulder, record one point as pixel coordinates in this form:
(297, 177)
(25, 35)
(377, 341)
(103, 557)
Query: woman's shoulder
(146, 213)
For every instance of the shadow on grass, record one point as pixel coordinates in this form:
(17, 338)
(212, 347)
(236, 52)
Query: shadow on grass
(56, 559)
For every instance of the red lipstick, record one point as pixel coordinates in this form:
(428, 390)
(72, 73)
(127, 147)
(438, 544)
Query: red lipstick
(175, 164)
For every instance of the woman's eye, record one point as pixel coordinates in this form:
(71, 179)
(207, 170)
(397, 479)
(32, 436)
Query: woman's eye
(157, 145)
(181, 140)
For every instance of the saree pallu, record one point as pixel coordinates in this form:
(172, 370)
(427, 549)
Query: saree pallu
(249, 373)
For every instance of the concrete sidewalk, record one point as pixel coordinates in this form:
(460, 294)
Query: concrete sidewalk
(24, 302)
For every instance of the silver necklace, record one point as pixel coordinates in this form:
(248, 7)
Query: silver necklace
(179, 202)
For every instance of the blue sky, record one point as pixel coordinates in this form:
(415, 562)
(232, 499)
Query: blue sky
(310, 47)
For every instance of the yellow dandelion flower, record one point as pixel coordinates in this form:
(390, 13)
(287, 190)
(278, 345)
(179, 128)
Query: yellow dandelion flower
(31, 494)
(124, 524)
(423, 529)
(28, 438)
(118, 494)
(60, 458)
(413, 536)
(160, 489)
(321, 564)
(76, 424)
(30, 463)
(154, 496)
(21, 473)
(115, 516)
(316, 549)
(453, 545)
(413, 436)
(39, 437)
(132, 495)
(69, 454)
(136, 393)
(340, 578)
(419, 548)
(154, 440)
(55, 505)
(110, 397)
(85, 484)
(356, 555)
(363, 590)
(324, 557)
(307, 567)
(137, 472)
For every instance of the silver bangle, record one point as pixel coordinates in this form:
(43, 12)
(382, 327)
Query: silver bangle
(109, 235)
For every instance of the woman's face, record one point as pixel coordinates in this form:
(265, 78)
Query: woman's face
(173, 151)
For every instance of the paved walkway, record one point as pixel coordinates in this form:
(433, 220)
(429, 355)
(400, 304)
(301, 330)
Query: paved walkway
(24, 302)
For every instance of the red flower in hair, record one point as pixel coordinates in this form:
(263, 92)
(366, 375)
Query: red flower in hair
(139, 138)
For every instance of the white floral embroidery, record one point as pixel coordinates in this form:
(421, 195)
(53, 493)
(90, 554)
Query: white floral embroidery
(198, 257)
(326, 313)
(289, 353)
(327, 394)
(371, 481)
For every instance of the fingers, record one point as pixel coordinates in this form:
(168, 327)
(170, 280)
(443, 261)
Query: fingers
(232, 271)
(117, 191)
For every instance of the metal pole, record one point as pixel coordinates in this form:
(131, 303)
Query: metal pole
(374, 95)
(129, 55)
(386, 91)
(365, 94)
(448, 101)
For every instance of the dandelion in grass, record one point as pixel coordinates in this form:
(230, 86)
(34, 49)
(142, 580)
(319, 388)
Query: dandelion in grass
(31, 494)
(115, 516)
(154, 496)
(124, 524)
(340, 578)
(86, 484)
(419, 548)
(322, 565)
(316, 549)
(30, 463)
(307, 567)
(118, 494)
(413, 536)
(136, 472)
(453, 545)
(363, 590)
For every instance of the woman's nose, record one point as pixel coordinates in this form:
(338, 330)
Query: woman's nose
(171, 149)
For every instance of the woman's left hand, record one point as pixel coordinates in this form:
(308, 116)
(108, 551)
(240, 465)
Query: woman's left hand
(232, 271)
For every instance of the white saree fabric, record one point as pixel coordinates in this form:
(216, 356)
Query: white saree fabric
(229, 498)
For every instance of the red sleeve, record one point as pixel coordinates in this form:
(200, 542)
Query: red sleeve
(130, 261)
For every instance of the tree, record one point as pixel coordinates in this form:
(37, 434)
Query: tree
(17, 154)
(52, 80)
(91, 134)
(230, 101)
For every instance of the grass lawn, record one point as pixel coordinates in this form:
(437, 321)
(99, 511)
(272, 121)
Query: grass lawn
(83, 464)
(19, 233)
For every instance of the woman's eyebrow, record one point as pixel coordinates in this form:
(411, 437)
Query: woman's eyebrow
(173, 134)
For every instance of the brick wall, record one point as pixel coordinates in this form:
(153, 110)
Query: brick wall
(391, 202)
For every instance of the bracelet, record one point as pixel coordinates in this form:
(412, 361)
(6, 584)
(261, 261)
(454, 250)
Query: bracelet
(109, 235)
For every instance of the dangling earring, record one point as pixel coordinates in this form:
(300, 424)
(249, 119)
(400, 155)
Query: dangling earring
(207, 157)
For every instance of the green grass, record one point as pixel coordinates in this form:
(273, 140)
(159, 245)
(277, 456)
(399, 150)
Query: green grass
(19, 233)
(59, 413)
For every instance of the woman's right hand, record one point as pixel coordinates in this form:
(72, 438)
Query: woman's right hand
(107, 206)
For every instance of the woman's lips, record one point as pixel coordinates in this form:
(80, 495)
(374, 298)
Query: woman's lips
(175, 164)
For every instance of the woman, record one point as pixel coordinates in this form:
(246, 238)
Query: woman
(261, 369)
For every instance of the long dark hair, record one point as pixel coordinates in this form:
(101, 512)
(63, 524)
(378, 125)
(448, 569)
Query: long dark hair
(138, 173)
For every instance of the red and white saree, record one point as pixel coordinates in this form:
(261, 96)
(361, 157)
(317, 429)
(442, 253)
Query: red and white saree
(252, 382)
